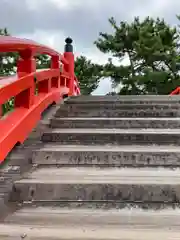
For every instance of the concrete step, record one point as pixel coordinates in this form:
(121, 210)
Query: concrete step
(113, 136)
(131, 218)
(120, 106)
(96, 184)
(63, 232)
(110, 113)
(124, 99)
(115, 122)
(106, 156)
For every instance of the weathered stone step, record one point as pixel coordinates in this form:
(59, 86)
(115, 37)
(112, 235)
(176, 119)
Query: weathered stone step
(63, 232)
(124, 99)
(119, 156)
(99, 112)
(113, 136)
(113, 184)
(115, 122)
(120, 106)
(131, 218)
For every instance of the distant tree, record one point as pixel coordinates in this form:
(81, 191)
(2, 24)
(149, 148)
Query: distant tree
(7, 60)
(88, 74)
(43, 61)
(111, 93)
(151, 46)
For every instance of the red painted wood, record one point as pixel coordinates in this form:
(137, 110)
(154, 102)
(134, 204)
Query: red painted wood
(13, 44)
(176, 91)
(70, 69)
(52, 85)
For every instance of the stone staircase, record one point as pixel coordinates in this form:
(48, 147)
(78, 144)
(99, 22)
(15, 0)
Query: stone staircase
(106, 168)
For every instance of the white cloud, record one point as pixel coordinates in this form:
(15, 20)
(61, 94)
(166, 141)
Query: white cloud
(52, 39)
(70, 4)
(104, 87)
(152, 8)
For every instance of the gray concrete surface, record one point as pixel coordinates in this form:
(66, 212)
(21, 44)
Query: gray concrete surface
(114, 184)
(113, 136)
(29, 232)
(82, 161)
(166, 218)
(64, 112)
(55, 224)
(115, 122)
(107, 155)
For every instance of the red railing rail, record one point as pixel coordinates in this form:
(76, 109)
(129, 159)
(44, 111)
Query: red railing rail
(176, 91)
(32, 97)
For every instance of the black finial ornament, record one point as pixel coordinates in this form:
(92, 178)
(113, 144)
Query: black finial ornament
(68, 45)
(68, 40)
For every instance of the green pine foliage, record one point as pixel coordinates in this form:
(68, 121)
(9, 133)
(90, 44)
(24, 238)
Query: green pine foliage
(152, 47)
(88, 74)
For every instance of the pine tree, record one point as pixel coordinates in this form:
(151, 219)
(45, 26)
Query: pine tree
(151, 46)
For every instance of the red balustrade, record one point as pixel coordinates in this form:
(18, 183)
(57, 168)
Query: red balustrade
(52, 84)
(176, 91)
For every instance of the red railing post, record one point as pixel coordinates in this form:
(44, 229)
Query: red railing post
(55, 63)
(26, 65)
(69, 56)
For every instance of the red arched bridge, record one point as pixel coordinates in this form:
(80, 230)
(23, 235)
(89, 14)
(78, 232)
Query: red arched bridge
(33, 91)
(98, 155)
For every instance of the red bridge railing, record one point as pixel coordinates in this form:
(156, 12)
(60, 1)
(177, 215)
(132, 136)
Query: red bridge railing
(32, 97)
(176, 91)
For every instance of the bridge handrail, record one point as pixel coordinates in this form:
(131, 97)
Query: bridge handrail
(176, 91)
(33, 91)
(14, 44)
